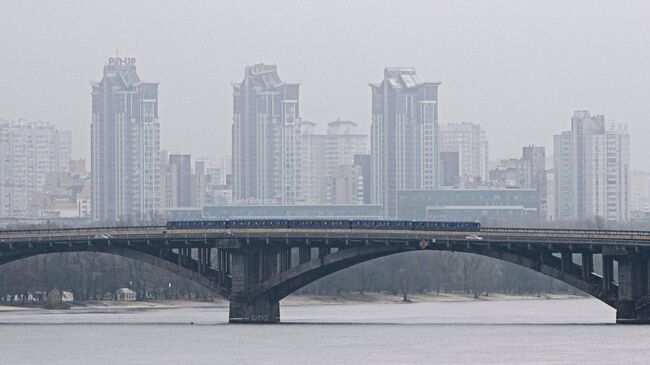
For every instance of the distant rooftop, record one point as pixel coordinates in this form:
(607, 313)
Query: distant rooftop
(339, 122)
(402, 78)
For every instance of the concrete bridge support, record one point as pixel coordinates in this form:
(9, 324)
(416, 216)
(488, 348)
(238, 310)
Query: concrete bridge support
(248, 269)
(608, 272)
(587, 266)
(632, 305)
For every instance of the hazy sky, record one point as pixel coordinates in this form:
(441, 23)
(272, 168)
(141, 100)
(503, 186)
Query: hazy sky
(519, 68)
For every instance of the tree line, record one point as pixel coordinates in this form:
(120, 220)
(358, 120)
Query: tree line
(97, 276)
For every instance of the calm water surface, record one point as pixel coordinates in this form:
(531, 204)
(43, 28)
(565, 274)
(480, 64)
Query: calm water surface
(522, 331)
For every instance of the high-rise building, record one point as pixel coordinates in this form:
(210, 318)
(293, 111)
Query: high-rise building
(534, 175)
(564, 185)
(164, 201)
(470, 142)
(200, 184)
(125, 145)
(507, 173)
(225, 171)
(640, 192)
(264, 148)
(29, 152)
(550, 195)
(404, 136)
(613, 165)
(364, 163)
(342, 143)
(312, 163)
(180, 180)
(527, 172)
(322, 156)
(449, 168)
(344, 185)
(592, 168)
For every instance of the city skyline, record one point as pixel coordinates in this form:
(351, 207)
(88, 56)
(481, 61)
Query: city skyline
(278, 158)
(320, 126)
(509, 82)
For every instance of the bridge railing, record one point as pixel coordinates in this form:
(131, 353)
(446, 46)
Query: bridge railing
(559, 231)
(55, 231)
(138, 232)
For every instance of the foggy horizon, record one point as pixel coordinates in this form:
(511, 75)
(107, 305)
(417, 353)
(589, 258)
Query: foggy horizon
(409, 181)
(518, 69)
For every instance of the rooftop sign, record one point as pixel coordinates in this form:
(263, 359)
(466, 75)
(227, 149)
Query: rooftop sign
(259, 69)
(121, 61)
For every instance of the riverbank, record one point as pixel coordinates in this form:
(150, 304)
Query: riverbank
(384, 298)
(303, 300)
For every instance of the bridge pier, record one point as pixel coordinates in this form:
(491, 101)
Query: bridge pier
(304, 254)
(566, 261)
(608, 273)
(285, 259)
(632, 304)
(587, 266)
(248, 269)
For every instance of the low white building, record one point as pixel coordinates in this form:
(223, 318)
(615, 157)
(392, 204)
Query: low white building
(125, 294)
(67, 296)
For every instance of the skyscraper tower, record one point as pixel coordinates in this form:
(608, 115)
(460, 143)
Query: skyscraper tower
(264, 138)
(592, 169)
(125, 145)
(404, 136)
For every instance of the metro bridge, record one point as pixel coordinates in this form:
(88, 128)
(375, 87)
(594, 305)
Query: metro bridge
(253, 267)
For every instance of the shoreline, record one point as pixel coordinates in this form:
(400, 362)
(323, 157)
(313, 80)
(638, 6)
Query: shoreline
(384, 298)
(301, 300)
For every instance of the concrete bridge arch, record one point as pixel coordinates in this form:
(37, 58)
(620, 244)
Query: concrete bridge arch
(265, 295)
(253, 267)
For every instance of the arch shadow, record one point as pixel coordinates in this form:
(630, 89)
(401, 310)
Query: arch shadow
(169, 262)
(287, 282)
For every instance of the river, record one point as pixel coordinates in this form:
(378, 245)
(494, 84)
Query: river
(490, 332)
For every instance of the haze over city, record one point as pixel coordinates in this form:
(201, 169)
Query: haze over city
(519, 69)
(406, 181)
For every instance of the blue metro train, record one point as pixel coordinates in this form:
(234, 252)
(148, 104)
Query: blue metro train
(402, 225)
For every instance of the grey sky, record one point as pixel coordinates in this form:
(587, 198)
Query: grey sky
(519, 68)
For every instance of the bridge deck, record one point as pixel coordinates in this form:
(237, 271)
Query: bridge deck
(227, 236)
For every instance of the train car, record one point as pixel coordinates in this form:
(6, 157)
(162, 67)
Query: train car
(362, 224)
(472, 226)
(402, 225)
(197, 224)
(258, 223)
(427, 226)
(221, 224)
(382, 224)
(319, 224)
(446, 226)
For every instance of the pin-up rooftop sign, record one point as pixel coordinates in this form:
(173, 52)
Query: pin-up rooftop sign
(260, 68)
(121, 61)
